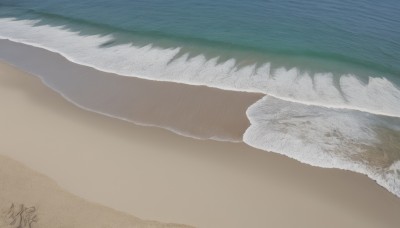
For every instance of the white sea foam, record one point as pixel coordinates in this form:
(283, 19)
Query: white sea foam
(392, 176)
(378, 96)
(323, 137)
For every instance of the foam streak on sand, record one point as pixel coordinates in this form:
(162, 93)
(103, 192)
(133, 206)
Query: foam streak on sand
(333, 121)
(195, 111)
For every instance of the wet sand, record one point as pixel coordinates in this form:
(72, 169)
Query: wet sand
(196, 111)
(157, 175)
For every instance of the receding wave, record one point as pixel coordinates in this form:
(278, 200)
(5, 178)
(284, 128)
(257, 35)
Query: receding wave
(324, 119)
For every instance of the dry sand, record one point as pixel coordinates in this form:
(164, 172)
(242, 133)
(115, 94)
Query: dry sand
(52, 206)
(154, 174)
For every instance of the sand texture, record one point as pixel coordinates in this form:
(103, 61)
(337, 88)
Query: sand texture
(40, 202)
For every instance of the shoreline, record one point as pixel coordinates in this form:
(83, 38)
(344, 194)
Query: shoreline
(227, 89)
(201, 183)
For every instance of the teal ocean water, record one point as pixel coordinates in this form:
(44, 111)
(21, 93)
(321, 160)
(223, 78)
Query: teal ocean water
(329, 69)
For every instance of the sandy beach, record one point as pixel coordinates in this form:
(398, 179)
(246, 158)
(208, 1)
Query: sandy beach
(157, 175)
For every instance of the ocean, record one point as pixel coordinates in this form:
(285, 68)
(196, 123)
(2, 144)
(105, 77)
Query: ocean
(329, 69)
